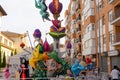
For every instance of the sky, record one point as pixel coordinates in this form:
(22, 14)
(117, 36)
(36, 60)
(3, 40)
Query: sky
(22, 16)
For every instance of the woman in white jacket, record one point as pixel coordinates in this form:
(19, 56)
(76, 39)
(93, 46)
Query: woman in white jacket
(115, 73)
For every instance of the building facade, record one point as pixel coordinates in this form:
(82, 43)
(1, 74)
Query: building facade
(10, 43)
(99, 31)
(73, 27)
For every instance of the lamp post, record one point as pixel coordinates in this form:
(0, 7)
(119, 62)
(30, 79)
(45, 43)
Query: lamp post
(99, 43)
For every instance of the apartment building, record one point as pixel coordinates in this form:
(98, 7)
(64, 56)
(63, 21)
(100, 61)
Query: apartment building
(73, 27)
(6, 44)
(99, 29)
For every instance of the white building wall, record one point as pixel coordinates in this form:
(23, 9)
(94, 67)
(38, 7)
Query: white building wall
(89, 8)
(72, 11)
(89, 35)
(66, 20)
(90, 50)
(88, 41)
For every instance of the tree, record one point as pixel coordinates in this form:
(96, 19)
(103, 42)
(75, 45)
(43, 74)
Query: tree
(11, 53)
(4, 60)
(0, 56)
(15, 52)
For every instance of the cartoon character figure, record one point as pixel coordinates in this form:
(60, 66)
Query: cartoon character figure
(52, 66)
(38, 52)
(43, 9)
(23, 75)
(39, 57)
(89, 62)
(77, 68)
(56, 66)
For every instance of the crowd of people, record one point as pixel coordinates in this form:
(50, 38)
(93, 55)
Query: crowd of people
(87, 62)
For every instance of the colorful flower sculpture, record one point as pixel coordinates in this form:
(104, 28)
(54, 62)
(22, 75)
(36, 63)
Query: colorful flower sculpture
(56, 31)
(55, 8)
(44, 62)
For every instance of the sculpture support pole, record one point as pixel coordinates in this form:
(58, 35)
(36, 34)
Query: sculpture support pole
(56, 45)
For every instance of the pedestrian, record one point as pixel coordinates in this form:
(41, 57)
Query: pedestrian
(23, 74)
(115, 73)
(6, 72)
(18, 72)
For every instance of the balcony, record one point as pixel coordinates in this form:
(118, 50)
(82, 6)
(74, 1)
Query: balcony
(89, 35)
(116, 40)
(89, 50)
(116, 16)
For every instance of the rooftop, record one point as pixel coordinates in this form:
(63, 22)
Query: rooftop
(2, 10)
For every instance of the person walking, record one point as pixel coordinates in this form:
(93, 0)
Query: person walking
(115, 73)
(6, 72)
(18, 72)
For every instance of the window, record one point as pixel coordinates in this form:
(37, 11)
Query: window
(0, 38)
(111, 38)
(104, 39)
(5, 41)
(79, 17)
(99, 7)
(102, 3)
(10, 44)
(103, 20)
(86, 44)
(93, 27)
(79, 27)
(110, 16)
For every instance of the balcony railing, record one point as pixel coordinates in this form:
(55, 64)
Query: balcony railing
(116, 17)
(117, 38)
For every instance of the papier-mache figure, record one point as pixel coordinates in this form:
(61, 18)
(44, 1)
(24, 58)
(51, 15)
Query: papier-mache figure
(40, 4)
(37, 59)
(56, 66)
(77, 68)
(38, 52)
(89, 62)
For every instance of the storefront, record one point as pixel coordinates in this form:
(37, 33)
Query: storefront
(114, 58)
(104, 62)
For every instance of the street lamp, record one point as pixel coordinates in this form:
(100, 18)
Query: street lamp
(99, 42)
